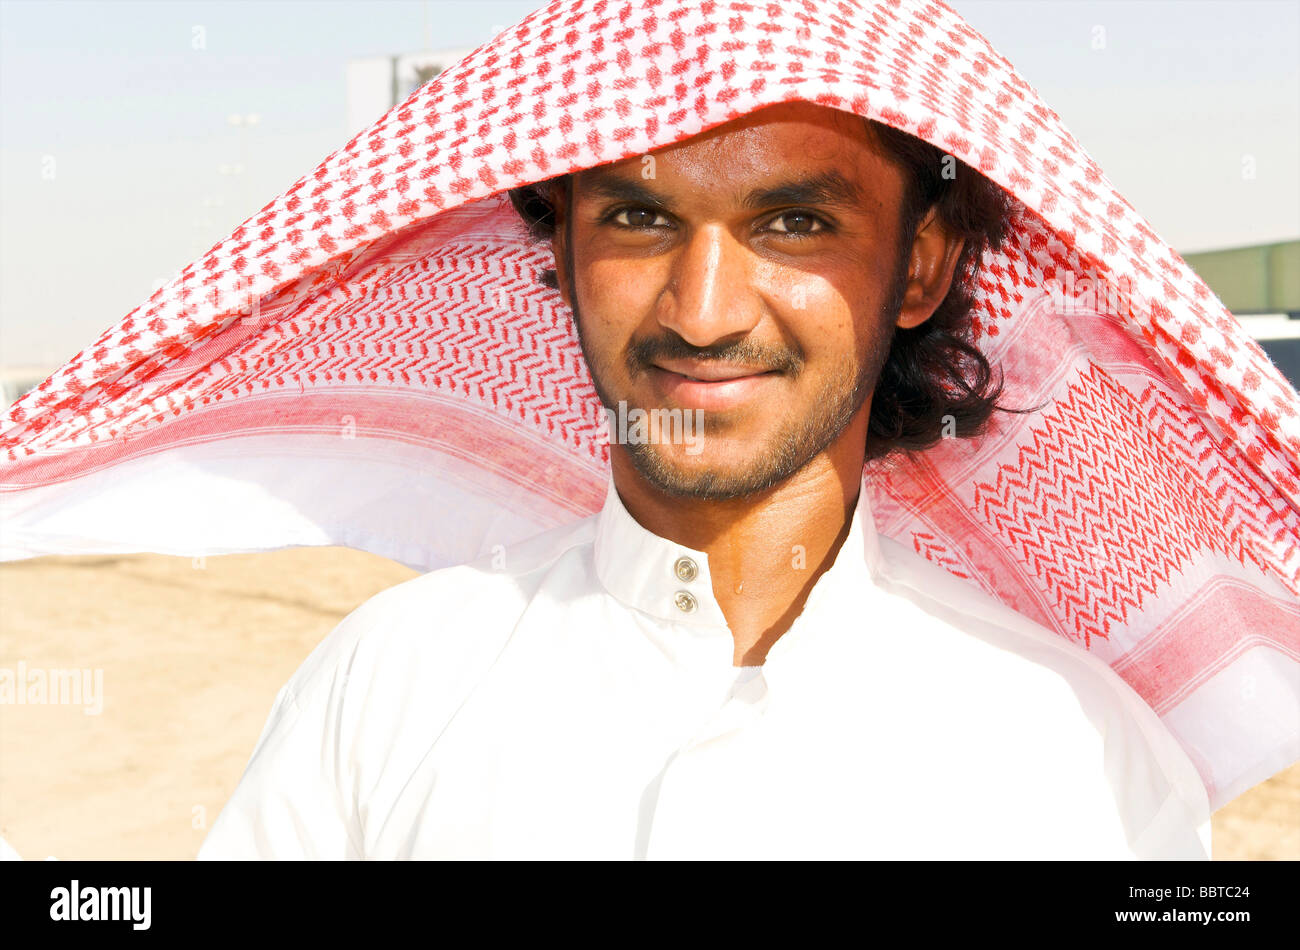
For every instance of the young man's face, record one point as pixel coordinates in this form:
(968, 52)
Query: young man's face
(716, 279)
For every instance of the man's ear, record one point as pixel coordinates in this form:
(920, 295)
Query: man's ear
(930, 270)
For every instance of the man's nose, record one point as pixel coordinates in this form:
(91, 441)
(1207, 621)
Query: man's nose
(710, 294)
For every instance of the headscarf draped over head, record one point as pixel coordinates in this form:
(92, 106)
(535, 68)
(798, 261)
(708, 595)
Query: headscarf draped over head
(371, 360)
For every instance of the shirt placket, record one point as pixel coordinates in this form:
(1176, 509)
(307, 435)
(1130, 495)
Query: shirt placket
(742, 705)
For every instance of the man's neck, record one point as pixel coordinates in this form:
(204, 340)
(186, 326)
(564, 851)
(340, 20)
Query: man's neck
(766, 551)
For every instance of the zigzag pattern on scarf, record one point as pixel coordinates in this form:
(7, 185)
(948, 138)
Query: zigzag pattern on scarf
(1106, 515)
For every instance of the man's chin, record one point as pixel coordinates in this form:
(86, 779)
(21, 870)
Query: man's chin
(703, 472)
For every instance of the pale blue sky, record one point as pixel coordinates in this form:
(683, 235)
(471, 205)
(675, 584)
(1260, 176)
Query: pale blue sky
(136, 121)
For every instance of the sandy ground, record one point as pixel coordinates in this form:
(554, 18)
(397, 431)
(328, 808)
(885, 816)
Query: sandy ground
(192, 655)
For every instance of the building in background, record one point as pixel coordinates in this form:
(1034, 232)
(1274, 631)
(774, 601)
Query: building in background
(1261, 286)
(16, 380)
(378, 83)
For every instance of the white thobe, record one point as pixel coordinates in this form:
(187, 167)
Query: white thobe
(568, 700)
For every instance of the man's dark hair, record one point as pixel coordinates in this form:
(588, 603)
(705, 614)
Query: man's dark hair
(934, 380)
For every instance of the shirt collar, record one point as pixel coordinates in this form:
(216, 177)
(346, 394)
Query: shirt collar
(672, 583)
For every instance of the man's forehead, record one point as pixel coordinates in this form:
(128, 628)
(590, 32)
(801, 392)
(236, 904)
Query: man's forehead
(792, 153)
(788, 185)
(797, 116)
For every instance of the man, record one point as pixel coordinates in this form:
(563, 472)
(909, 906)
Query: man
(725, 661)
(1066, 629)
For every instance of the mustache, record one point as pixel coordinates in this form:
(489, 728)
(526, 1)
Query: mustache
(642, 354)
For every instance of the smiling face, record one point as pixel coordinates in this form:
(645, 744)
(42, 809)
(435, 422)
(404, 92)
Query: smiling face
(752, 273)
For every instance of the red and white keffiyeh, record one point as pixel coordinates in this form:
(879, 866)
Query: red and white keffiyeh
(371, 361)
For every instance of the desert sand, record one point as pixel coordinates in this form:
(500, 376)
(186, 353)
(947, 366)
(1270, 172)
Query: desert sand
(192, 654)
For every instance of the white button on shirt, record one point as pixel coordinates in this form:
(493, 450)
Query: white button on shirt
(579, 701)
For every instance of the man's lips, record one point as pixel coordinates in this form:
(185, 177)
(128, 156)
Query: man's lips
(710, 371)
(711, 386)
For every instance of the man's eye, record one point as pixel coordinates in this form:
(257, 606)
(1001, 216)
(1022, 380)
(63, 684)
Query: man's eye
(808, 224)
(636, 217)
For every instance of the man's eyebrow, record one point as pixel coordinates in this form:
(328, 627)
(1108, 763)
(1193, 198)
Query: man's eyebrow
(823, 188)
(601, 183)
